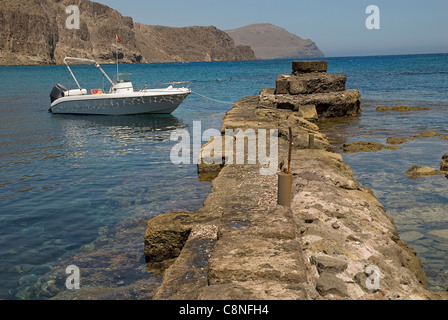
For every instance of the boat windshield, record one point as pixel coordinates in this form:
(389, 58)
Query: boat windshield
(122, 77)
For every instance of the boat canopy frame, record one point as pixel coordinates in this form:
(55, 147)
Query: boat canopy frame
(88, 61)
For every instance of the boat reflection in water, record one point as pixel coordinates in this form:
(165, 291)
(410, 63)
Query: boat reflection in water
(118, 128)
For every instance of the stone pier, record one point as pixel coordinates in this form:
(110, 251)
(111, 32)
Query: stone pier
(242, 245)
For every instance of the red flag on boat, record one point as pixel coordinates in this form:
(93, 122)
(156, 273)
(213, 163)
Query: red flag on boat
(118, 38)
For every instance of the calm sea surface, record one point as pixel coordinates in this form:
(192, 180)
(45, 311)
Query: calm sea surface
(65, 180)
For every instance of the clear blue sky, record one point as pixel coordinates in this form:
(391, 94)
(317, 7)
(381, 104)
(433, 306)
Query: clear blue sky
(337, 26)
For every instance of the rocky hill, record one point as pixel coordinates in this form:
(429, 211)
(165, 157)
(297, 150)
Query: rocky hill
(272, 42)
(35, 32)
(165, 44)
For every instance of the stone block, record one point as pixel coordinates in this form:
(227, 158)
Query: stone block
(282, 84)
(308, 112)
(329, 264)
(331, 104)
(330, 284)
(166, 235)
(309, 66)
(253, 258)
(316, 83)
(188, 275)
(254, 290)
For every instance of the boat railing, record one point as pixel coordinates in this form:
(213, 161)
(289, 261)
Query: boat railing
(174, 84)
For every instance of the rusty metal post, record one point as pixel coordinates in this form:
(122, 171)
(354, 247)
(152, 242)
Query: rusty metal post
(285, 180)
(311, 141)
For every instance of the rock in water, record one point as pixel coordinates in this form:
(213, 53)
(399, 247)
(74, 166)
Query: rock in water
(426, 134)
(397, 140)
(425, 171)
(444, 163)
(365, 147)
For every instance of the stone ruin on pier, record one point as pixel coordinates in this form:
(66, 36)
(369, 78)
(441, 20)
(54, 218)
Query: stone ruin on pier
(312, 92)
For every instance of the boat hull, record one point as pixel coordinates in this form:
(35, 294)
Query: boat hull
(110, 104)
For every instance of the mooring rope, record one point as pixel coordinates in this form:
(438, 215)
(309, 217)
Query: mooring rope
(220, 101)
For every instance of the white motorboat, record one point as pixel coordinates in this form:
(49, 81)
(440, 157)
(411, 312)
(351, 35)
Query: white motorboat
(121, 99)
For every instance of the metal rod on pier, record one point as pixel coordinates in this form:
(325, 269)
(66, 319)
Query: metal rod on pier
(285, 180)
(311, 141)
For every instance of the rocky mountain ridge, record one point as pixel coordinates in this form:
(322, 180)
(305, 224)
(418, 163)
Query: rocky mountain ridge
(186, 44)
(273, 42)
(34, 32)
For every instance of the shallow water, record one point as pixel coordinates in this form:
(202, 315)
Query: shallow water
(67, 180)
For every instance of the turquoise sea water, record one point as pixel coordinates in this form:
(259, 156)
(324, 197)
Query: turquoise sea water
(64, 180)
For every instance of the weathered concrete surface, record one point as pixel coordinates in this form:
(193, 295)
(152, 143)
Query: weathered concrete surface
(319, 248)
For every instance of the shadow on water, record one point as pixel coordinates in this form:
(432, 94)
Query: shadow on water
(338, 130)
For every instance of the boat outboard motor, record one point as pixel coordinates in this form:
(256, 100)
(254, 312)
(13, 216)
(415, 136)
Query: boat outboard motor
(57, 92)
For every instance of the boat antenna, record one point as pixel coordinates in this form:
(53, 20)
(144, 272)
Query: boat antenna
(117, 38)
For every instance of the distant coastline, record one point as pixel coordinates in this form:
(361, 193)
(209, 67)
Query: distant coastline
(36, 33)
(255, 59)
(388, 55)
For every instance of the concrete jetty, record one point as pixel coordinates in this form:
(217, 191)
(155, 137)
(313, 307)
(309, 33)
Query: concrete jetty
(335, 241)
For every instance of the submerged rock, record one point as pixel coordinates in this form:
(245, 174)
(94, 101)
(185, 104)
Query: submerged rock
(444, 163)
(442, 234)
(354, 147)
(401, 108)
(425, 171)
(426, 134)
(397, 140)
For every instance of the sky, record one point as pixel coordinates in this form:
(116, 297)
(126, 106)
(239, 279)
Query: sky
(338, 27)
